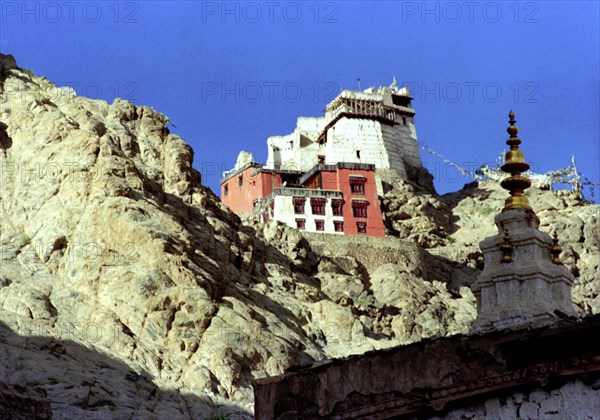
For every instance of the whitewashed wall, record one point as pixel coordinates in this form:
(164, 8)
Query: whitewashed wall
(350, 135)
(284, 212)
(298, 150)
(388, 147)
(573, 400)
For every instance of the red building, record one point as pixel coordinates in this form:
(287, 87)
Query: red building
(243, 188)
(338, 199)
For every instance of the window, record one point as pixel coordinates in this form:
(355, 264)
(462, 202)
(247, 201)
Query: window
(320, 159)
(336, 207)
(299, 205)
(240, 180)
(226, 189)
(361, 227)
(357, 185)
(404, 120)
(320, 224)
(317, 206)
(338, 226)
(358, 154)
(359, 208)
(300, 224)
(255, 203)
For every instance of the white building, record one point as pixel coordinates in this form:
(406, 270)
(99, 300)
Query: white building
(317, 214)
(371, 126)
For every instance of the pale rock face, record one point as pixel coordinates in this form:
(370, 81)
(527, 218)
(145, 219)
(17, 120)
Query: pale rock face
(137, 292)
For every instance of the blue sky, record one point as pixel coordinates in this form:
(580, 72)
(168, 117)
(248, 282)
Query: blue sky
(230, 74)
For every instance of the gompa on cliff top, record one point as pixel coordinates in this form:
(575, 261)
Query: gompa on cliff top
(325, 176)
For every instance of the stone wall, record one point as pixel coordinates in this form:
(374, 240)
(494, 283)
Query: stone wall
(374, 252)
(575, 399)
(547, 371)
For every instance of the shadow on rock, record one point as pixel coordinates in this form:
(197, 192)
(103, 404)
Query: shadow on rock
(83, 383)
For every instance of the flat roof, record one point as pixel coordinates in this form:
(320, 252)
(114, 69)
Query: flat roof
(258, 168)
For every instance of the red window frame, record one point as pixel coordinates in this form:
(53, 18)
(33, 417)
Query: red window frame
(338, 226)
(320, 225)
(357, 185)
(317, 206)
(361, 227)
(336, 207)
(299, 205)
(359, 209)
(300, 224)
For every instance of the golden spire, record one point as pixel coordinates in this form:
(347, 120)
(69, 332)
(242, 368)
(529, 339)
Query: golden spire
(515, 164)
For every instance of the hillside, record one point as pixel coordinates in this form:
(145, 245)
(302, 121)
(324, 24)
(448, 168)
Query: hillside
(126, 287)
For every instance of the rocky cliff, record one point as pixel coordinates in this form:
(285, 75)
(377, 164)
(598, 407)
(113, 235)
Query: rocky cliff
(126, 287)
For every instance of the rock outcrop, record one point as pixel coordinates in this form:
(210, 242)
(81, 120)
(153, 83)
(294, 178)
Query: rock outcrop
(452, 226)
(140, 293)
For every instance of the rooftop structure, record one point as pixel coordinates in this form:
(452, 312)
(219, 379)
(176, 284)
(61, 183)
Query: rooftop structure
(371, 126)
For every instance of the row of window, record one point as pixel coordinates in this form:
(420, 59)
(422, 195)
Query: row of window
(317, 206)
(338, 225)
